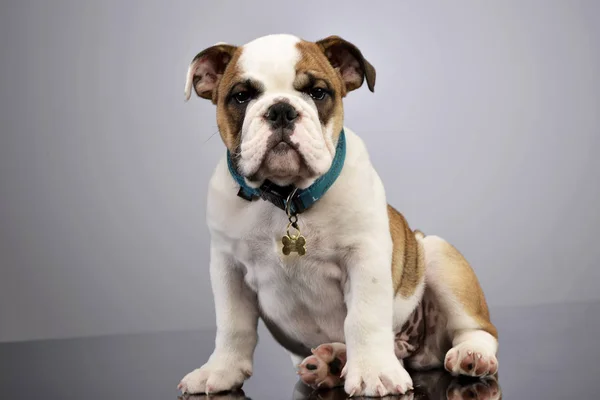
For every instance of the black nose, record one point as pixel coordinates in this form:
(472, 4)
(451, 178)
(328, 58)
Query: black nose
(281, 115)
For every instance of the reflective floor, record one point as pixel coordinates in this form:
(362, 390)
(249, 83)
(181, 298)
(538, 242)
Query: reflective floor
(546, 352)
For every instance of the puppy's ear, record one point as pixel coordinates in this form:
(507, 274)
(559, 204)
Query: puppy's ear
(349, 61)
(206, 69)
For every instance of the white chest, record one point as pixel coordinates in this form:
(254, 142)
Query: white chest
(301, 295)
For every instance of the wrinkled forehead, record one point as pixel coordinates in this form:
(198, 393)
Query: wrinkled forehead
(271, 61)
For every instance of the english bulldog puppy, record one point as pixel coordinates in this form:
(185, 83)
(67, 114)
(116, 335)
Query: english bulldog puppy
(303, 238)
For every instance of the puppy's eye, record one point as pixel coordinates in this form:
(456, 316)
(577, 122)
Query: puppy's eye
(243, 96)
(317, 93)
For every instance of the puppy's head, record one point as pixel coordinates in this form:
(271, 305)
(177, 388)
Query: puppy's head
(279, 102)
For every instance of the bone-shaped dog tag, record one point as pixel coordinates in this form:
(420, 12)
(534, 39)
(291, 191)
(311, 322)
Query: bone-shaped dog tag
(294, 244)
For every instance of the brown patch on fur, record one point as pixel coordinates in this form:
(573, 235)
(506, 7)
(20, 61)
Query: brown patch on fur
(314, 66)
(465, 287)
(408, 263)
(229, 118)
(214, 71)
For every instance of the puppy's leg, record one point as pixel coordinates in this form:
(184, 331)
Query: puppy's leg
(457, 290)
(372, 368)
(237, 319)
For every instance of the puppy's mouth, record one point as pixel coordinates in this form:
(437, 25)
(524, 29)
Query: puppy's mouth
(283, 163)
(282, 148)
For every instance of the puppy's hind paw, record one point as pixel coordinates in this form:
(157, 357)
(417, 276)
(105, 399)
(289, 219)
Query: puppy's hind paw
(324, 368)
(471, 358)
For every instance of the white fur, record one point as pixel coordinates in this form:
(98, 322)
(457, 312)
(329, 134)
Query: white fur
(403, 307)
(271, 60)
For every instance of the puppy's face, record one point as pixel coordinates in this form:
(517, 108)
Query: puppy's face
(279, 102)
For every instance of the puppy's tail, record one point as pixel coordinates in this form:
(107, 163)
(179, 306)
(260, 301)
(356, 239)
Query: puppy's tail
(419, 234)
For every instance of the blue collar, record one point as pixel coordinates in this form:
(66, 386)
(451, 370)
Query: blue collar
(303, 199)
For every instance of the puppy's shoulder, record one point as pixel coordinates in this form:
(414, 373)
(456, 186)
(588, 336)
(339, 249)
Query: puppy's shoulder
(220, 180)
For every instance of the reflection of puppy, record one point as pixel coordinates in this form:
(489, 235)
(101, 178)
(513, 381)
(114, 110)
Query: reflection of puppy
(235, 395)
(362, 279)
(429, 385)
(303, 392)
(486, 388)
(439, 385)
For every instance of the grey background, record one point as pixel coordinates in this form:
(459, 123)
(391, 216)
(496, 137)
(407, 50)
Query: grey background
(484, 126)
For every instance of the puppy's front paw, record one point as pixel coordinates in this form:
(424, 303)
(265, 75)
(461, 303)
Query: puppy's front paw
(216, 376)
(376, 377)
